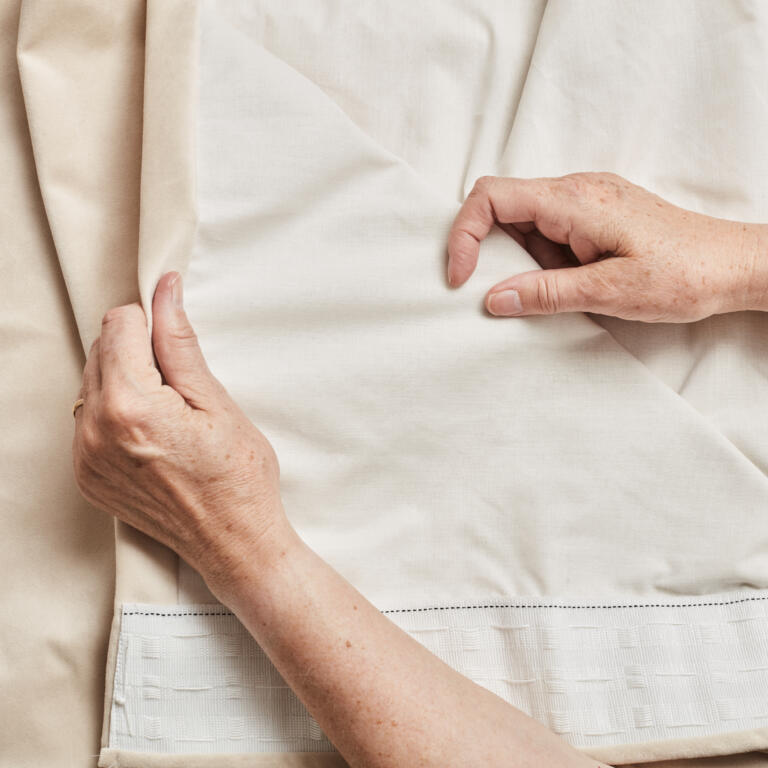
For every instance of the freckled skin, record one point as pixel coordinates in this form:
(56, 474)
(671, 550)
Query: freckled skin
(635, 255)
(199, 483)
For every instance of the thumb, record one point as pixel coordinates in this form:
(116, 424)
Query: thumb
(178, 353)
(588, 288)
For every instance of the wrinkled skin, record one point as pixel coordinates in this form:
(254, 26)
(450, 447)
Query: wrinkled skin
(178, 460)
(610, 247)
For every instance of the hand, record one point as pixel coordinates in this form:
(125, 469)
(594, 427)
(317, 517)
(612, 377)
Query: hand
(177, 460)
(610, 247)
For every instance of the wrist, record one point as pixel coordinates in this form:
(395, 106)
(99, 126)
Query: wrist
(239, 562)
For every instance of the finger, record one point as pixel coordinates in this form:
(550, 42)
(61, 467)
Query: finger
(471, 226)
(91, 373)
(125, 353)
(562, 209)
(178, 352)
(588, 288)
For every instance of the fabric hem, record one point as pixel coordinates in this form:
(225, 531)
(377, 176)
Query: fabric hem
(738, 742)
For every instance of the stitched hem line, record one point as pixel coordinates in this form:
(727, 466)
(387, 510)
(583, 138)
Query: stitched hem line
(490, 606)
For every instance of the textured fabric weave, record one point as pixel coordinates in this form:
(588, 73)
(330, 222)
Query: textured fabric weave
(191, 679)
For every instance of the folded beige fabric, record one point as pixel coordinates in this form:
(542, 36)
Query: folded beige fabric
(317, 196)
(56, 552)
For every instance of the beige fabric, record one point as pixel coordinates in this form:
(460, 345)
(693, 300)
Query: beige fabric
(115, 758)
(87, 59)
(89, 171)
(56, 552)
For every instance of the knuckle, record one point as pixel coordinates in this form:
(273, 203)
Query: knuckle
(548, 294)
(121, 314)
(607, 183)
(483, 185)
(116, 409)
(608, 177)
(576, 185)
(111, 316)
(89, 440)
(183, 333)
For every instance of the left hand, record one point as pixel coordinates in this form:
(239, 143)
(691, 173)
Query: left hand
(177, 460)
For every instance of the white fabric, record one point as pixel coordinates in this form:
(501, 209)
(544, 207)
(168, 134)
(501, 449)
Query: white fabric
(428, 451)
(191, 679)
(435, 455)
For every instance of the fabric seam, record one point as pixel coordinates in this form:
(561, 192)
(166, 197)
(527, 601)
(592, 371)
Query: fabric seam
(489, 606)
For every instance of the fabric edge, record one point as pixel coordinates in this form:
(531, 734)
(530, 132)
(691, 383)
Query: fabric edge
(167, 223)
(119, 758)
(168, 220)
(733, 743)
(109, 678)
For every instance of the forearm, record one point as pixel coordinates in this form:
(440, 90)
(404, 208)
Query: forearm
(380, 696)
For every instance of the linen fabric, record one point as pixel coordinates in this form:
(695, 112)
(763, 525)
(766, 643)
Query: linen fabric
(301, 165)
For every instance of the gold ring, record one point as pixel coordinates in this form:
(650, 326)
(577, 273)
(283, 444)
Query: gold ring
(77, 404)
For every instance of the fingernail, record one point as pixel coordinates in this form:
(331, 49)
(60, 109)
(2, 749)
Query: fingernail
(505, 303)
(176, 291)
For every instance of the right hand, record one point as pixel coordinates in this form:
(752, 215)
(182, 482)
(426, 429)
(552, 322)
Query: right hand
(610, 247)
